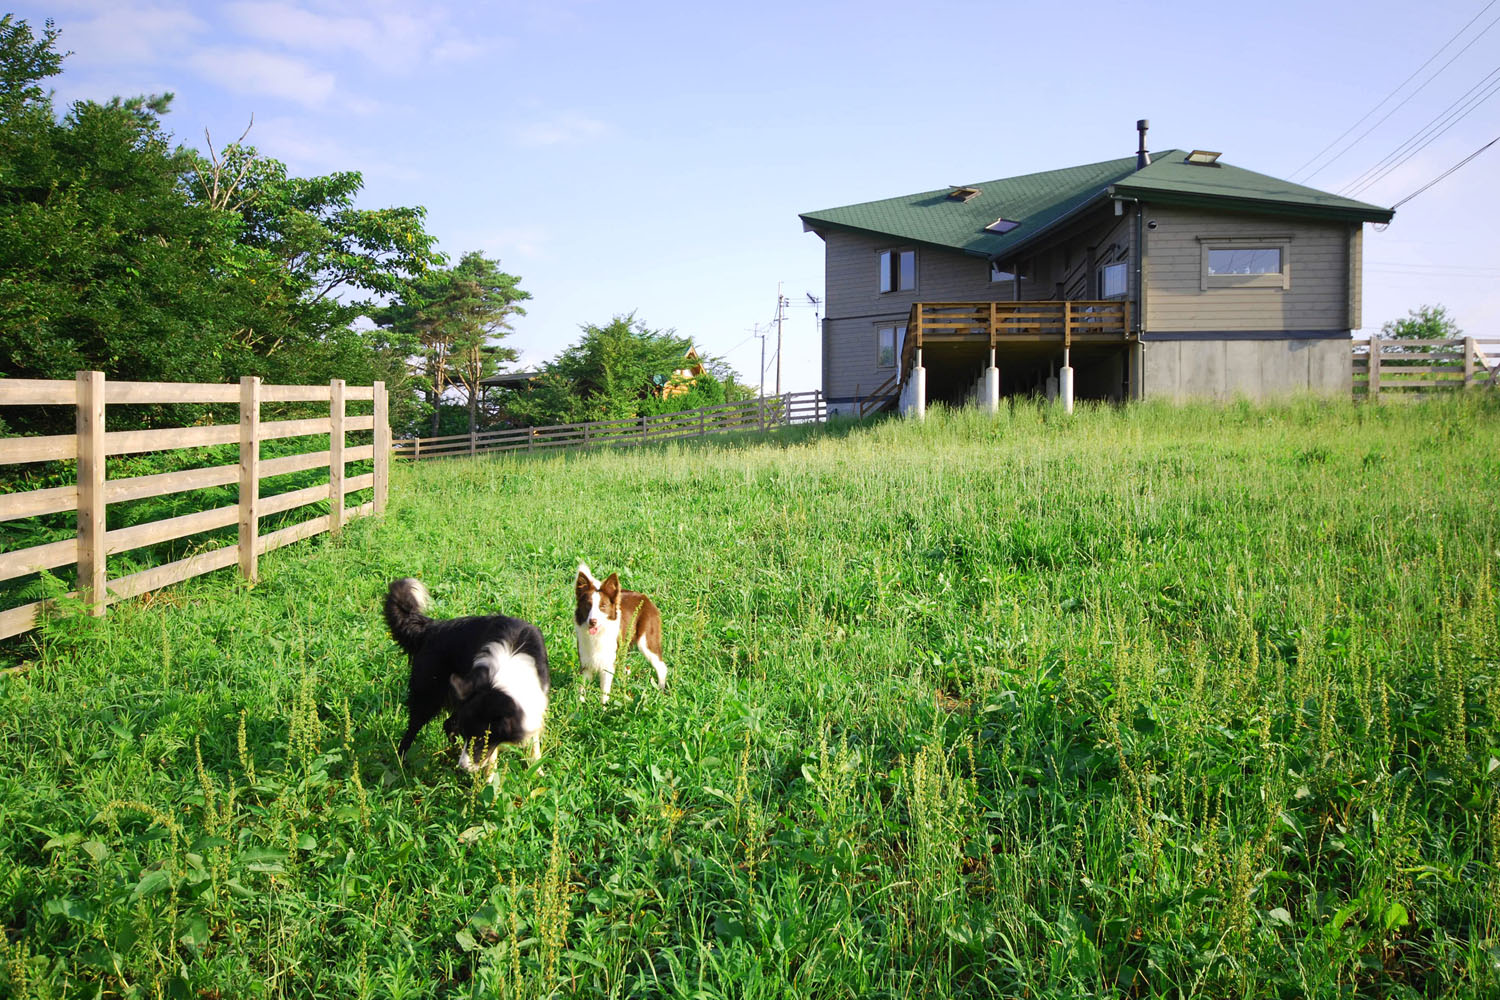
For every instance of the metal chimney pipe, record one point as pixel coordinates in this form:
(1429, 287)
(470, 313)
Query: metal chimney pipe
(1142, 158)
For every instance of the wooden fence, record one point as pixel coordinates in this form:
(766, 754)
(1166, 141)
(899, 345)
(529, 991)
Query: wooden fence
(92, 445)
(1414, 366)
(750, 415)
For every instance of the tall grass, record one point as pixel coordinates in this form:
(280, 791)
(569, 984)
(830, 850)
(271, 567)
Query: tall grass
(1154, 701)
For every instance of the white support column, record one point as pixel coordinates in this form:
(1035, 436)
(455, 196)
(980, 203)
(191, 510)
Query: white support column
(992, 386)
(1065, 383)
(918, 404)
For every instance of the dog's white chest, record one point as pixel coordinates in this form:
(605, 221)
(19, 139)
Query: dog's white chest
(597, 651)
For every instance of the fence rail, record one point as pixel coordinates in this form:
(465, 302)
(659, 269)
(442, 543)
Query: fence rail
(1407, 366)
(750, 415)
(92, 445)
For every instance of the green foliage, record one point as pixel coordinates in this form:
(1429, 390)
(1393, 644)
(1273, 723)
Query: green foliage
(122, 253)
(619, 370)
(1143, 703)
(1423, 323)
(448, 322)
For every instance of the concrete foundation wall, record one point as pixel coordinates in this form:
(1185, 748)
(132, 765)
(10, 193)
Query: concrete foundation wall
(1248, 369)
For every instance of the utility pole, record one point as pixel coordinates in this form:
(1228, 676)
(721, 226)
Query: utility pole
(760, 379)
(780, 306)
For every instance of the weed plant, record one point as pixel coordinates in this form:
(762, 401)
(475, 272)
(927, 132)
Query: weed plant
(1149, 702)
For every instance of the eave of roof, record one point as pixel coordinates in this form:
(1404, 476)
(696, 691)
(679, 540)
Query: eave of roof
(1044, 202)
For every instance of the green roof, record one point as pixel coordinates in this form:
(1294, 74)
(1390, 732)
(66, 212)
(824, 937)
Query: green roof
(1039, 202)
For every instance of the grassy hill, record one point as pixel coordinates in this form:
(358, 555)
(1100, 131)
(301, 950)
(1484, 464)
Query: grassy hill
(1149, 702)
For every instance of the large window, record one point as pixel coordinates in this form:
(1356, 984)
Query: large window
(1113, 280)
(898, 270)
(1245, 262)
(888, 340)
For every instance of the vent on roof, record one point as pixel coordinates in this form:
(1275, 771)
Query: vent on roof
(1001, 226)
(963, 193)
(1203, 158)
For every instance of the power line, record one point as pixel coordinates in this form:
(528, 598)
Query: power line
(1429, 134)
(1448, 122)
(1396, 91)
(1445, 173)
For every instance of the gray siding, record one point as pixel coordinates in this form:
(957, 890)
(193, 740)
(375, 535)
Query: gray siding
(856, 307)
(1318, 258)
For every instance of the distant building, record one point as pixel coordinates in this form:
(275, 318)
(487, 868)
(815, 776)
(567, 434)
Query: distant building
(1165, 275)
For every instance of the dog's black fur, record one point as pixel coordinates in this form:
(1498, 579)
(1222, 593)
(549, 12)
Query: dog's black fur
(451, 668)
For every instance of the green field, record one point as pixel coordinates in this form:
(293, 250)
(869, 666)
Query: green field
(1150, 702)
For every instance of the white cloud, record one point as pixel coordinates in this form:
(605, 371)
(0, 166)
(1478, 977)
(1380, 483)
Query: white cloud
(121, 34)
(391, 38)
(255, 71)
(565, 129)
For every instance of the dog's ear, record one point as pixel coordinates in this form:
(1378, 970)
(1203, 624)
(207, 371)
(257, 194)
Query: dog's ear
(583, 584)
(460, 686)
(611, 586)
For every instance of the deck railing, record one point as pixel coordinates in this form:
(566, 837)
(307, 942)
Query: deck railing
(1384, 365)
(750, 415)
(93, 492)
(1065, 322)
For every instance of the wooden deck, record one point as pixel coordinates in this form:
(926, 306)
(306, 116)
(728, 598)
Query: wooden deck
(969, 330)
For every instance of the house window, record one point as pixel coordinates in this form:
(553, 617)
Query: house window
(996, 274)
(898, 270)
(1250, 260)
(1113, 280)
(888, 340)
(1253, 262)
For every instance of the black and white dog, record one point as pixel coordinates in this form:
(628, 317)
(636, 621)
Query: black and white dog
(489, 672)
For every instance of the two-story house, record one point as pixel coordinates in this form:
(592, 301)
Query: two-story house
(1169, 274)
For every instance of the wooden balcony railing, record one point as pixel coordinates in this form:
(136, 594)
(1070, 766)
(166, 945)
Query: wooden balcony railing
(1064, 323)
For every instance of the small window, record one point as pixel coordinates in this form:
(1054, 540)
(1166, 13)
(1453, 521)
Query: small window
(1257, 260)
(1245, 262)
(888, 340)
(1113, 280)
(996, 274)
(898, 270)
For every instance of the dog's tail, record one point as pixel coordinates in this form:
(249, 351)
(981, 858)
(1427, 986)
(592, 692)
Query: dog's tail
(405, 603)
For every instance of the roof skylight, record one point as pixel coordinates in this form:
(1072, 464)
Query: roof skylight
(1001, 226)
(963, 193)
(1203, 158)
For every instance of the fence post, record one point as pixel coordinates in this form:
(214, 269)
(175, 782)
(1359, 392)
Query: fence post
(473, 441)
(531, 439)
(702, 423)
(643, 428)
(91, 524)
(382, 446)
(336, 456)
(1469, 362)
(1373, 392)
(249, 475)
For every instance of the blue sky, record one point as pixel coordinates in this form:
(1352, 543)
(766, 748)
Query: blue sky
(653, 157)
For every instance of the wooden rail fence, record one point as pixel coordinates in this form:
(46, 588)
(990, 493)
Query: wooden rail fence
(1408, 366)
(92, 445)
(750, 415)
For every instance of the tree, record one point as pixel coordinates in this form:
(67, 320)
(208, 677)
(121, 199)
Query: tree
(1423, 323)
(450, 319)
(124, 253)
(616, 371)
(614, 368)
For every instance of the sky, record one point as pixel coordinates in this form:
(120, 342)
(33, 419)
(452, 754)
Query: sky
(652, 158)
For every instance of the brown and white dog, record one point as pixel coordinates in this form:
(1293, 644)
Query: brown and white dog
(607, 619)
